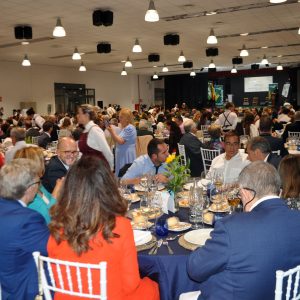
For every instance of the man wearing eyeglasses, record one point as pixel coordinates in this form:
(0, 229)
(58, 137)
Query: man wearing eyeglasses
(245, 250)
(67, 154)
(22, 230)
(230, 163)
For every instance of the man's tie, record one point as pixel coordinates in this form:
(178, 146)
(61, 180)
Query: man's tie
(156, 168)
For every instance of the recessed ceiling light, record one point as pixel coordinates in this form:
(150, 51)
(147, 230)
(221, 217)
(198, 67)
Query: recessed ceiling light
(281, 54)
(154, 66)
(264, 47)
(244, 34)
(25, 43)
(211, 13)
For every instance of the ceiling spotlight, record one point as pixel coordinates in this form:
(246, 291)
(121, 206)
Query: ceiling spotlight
(264, 47)
(76, 55)
(210, 13)
(193, 73)
(165, 68)
(277, 1)
(264, 61)
(244, 34)
(212, 39)
(59, 31)
(26, 61)
(136, 48)
(299, 30)
(279, 67)
(24, 43)
(233, 70)
(211, 65)
(181, 57)
(155, 76)
(82, 67)
(244, 51)
(124, 73)
(151, 14)
(128, 63)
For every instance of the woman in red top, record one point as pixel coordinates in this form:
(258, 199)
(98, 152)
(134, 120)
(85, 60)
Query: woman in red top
(88, 226)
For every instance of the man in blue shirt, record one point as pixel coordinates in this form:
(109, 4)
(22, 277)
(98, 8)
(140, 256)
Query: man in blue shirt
(151, 163)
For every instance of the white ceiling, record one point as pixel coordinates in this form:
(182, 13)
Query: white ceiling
(233, 17)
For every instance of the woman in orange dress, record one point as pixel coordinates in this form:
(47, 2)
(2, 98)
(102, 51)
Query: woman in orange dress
(88, 226)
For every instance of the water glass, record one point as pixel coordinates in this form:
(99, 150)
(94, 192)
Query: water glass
(161, 227)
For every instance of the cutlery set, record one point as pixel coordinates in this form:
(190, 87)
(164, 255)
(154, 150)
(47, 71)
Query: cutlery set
(159, 243)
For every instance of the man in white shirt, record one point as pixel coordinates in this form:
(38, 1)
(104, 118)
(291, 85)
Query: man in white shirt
(17, 135)
(228, 119)
(36, 119)
(230, 163)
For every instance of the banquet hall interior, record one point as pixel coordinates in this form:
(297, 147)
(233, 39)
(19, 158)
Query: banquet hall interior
(149, 149)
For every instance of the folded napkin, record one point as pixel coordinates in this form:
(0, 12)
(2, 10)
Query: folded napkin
(141, 237)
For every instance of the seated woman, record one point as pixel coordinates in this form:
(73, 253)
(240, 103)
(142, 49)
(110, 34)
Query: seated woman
(215, 142)
(43, 200)
(88, 226)
(289, 171)
(175, 136)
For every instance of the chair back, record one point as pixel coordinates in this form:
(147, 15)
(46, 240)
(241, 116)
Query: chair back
(181, 150)
(67, 273)
(294, 134)
(293, 276)
(34, 140)
(142, 144)
(276, 152)
(207, 156)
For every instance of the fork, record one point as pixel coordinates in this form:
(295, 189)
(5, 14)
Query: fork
(169, 248)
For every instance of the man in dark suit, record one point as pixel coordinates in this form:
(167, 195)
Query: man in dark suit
(258, 148)
(45, 138)
(245, 250)
(265, 131)
(22, 230)
(293, 127)
(67, 154)
(192, 147)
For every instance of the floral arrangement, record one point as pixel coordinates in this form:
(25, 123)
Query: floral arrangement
(177, 173)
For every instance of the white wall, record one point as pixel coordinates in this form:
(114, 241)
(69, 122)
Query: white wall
(36, 83)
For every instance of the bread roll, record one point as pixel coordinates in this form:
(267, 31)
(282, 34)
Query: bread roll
(173, 221)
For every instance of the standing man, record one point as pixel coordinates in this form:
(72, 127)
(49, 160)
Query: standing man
(245, 250)
(58, 166)
(228, 119)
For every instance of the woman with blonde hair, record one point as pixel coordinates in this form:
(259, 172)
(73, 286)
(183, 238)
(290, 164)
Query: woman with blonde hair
(125, 140)
(289, 171)
(89, 226)
(43, 200)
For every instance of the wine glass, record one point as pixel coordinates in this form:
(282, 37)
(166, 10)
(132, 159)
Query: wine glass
(125, 193)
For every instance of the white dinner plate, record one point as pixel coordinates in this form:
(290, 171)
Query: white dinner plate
(140, 188)
(198, 237)
(180, 226)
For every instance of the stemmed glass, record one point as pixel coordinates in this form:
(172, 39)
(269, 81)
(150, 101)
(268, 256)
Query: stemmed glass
(125, 193)
(196, 202)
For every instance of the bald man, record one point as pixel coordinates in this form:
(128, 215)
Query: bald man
(67, 154)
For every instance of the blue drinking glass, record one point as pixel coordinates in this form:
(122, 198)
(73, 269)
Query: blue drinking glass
(161, 227)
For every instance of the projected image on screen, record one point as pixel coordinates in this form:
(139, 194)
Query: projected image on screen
(257, 84)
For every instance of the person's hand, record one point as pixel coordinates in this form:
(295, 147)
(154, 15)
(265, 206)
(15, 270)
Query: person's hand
(58, 187)
(109, 128)
(161, 178)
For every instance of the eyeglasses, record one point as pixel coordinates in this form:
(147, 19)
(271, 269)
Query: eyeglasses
(70, 152)
(232, 144)
(33, 183)
(248, 189)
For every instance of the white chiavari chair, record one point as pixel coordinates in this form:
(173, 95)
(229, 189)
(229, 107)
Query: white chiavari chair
(294, 134)
(292, 285)
(65, 270)
(182, 153)
(276, 152)
(207, 156)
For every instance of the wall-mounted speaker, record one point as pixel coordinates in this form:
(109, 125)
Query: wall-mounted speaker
(255, 67)
(188, 64)
(104, 48)
(105, 18)
(153, 57)
(23, 32)
(237, 60)
(212, 52)
(171, 39)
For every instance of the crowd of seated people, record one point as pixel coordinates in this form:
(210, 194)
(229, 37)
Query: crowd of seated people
(85, 160)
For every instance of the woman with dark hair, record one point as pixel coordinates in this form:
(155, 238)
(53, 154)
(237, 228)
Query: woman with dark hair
(205, 119)
(88, 226)
(92, 141)
(289, 171)
(175, 136)
(248, 125)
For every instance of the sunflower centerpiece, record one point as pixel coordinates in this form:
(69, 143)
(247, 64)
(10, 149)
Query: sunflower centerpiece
(178, 175)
